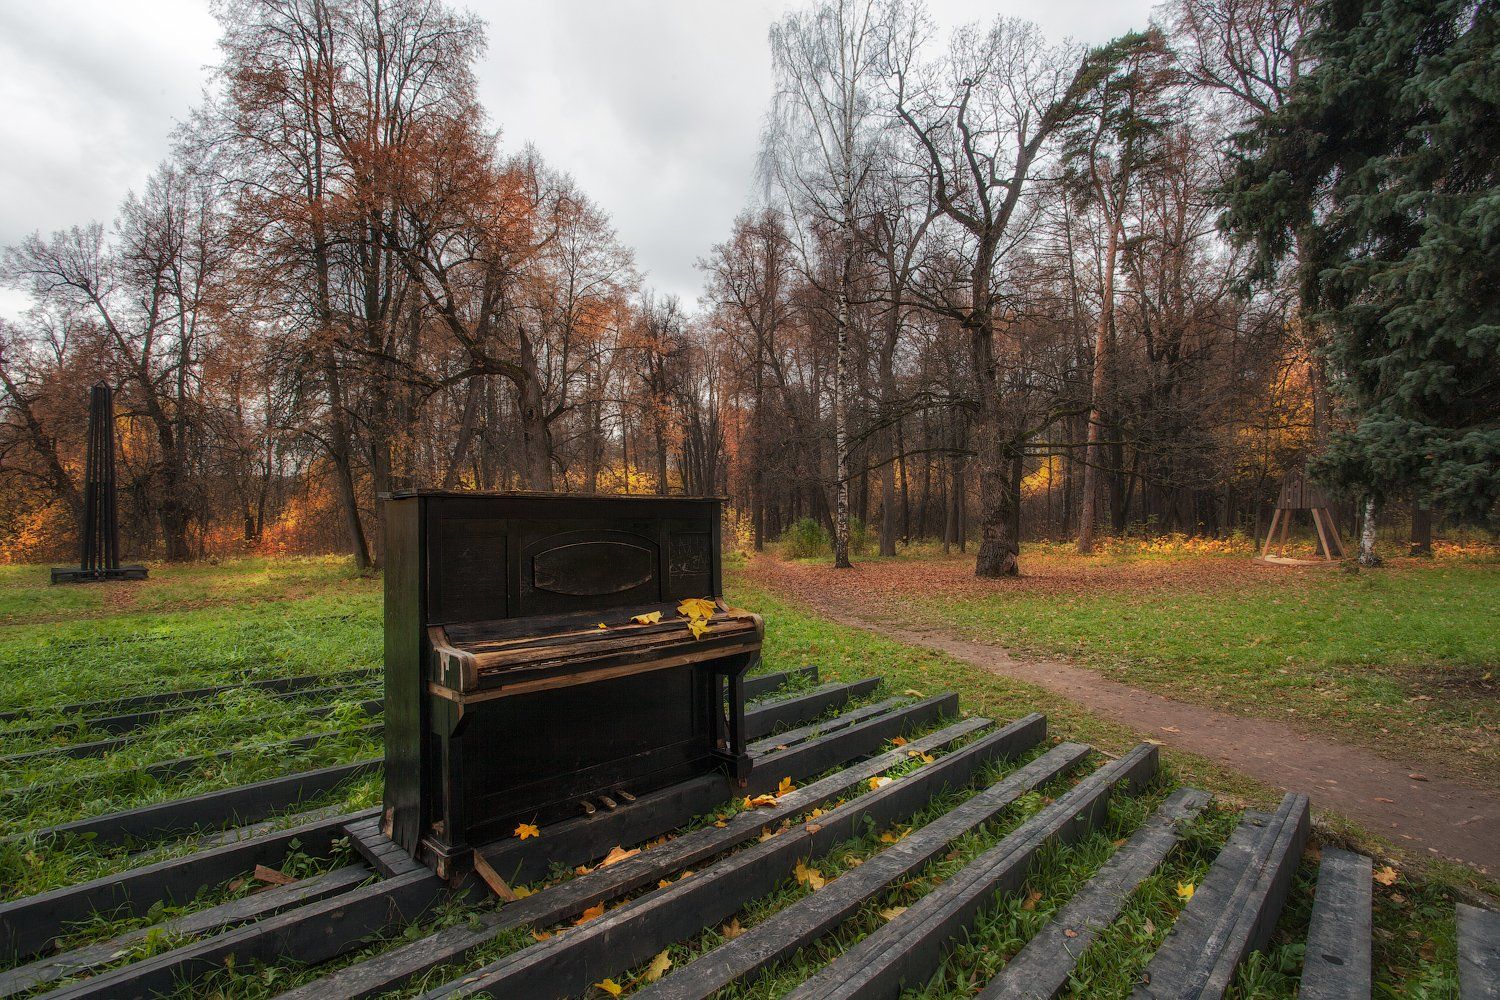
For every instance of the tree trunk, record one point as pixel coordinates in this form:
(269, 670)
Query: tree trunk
(1367, 556)
(1097, 388)
(1421, 531)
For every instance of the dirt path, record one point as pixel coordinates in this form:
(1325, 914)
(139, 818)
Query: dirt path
(1445, 818)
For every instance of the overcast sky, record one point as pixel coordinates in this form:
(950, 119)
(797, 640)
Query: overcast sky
(655, 106)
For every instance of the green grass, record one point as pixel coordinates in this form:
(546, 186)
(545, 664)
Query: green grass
(1404, 658)
(201, 625)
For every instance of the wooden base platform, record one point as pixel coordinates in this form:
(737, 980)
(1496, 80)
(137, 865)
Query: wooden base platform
(70, 574)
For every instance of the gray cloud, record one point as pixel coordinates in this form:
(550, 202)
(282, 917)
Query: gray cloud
(654, 106)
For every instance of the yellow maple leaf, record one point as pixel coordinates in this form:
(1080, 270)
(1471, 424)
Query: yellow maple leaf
(597, 910)
(601, 625)
(898, 741)
(732, 929)
(785, 786)
(697, 607)
(925, 758)
(892, 912)
(697, 626)
(658, 968)
(810, 877)
(892, 837)
(664, 883)
(649, 618)
(879, 782)
(521, 892)
(1185, 890)
(618, 854)
(1386, 875)
(760, 802)
(611, 987)
(527, 830)
(815, 814)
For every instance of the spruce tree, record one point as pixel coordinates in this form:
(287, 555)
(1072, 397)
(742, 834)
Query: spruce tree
(1379, 180)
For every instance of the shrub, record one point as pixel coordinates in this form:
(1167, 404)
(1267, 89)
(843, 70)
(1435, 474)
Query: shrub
(806, 539)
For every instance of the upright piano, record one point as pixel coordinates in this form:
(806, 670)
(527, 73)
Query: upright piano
(540, 661)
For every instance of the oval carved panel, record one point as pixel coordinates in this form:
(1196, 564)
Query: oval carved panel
(593, 568)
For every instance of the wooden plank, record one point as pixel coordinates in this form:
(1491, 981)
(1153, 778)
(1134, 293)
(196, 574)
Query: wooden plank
(211, 810)
(1478, 953)
(29, 925)
(565, 964)
(763, 719)
(908, 949)
(844, 719)
(1041, 969)
(99, 748)
(128, 703)
(802, 923)
(215, 918)
(391, 969)
(1276, 516)
(309, 934)
(130, 721)
(183, 765)
(763, 684)
(588, 837)
(1234, 910)
(1336, 965)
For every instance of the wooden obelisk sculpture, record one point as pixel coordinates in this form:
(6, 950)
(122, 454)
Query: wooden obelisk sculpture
(100, 531)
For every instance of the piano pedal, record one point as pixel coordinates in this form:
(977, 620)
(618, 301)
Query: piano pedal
(622, 793)
(588, 807)
(609, 803)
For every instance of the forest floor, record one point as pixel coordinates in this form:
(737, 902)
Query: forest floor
(1377, 693)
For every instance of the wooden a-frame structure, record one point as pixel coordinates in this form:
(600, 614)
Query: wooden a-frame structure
(1299, 494)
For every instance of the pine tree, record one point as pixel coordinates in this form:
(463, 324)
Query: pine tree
(1383, 172)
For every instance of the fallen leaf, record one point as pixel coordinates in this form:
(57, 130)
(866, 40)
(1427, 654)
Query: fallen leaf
(813, 827)
(649, 618)
(732, 929)
(520, 891)
(527, 830)
(611, 987)
(785, 786)
(617, 855)
(664, 883)
(1032, 898)
(720, 824)
(597, 910)
(540, 935)
(892, 837)
(1386, 875)
(1382, 798)
(601, 625)
(697, 607)
(925, 758)
(912, 694)
(658, 968)
(1185, 890)
(271, 876)
(760, 802)
(1417, 777)
(898, 741)
(892, 912)
(879, 782)
(697, 626)
(810, 877)
(1070, 932)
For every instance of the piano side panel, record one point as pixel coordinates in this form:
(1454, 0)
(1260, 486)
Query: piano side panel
(405, 673)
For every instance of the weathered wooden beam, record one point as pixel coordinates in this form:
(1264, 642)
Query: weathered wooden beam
(802, 923)
(215, 918)
(763, 684)
(1041, 969)
(183, 765)
(908, 949)
(824, 726)
(309, 934)
(565, 964)
(99, 748)
(1336, 964)
(212, 810)
(1234, 910)
(392, 969)
(589, 837)
(129, 703)
(762, 720)
(1478, 953)
(29, 925)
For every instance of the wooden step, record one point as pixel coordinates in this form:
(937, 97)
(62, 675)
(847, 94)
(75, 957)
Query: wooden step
(1337, 962)
(907, 950)
(802, 923)
(1234, 910)
(1041, 969)
(1478, 953)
